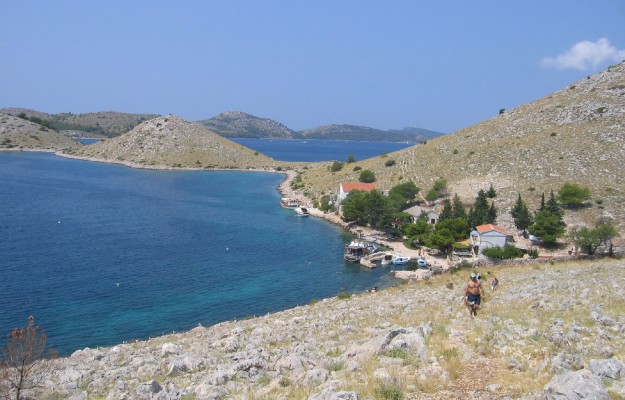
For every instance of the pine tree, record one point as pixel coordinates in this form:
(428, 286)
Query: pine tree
(480, 209)
(542, 203)
(447, 211)
(458, 208)
(492, 214)
(554, 207)
(521, 215)
(492, 193)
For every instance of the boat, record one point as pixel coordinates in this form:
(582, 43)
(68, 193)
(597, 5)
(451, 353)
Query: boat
(302, 212)
(421, 263)
(358, 248)
(400, 260)
(289, 202)
(388, 258)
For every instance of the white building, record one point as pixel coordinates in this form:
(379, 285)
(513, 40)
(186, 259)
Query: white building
(489, 235)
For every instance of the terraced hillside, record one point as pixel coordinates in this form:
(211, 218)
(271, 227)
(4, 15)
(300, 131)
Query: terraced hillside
(575, 135)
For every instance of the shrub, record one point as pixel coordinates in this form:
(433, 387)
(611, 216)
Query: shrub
(455, 151)
(357, 168)
(344, 295)
(389, 163)
(336, 166)
(23, 366)
(388, 391)
(366, 176)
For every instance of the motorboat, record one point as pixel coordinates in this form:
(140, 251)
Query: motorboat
(421, 263)
(358, 248)
(302, 212)
(400, 260)
(289, 202)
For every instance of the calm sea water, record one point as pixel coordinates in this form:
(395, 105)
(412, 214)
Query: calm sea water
(319, 150)
(101, 254)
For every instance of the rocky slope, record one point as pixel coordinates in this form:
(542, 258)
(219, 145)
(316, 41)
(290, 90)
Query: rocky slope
(19, 134)
(95, 124)
(242, 125)
(171, 142)
(548, 329)
(575, 135)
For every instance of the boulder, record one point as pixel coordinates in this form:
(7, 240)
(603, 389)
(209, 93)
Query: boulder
(610, 368)
(577, 385)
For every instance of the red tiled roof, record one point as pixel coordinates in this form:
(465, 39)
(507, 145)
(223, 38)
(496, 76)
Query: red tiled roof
(491, 227)
(365, 187)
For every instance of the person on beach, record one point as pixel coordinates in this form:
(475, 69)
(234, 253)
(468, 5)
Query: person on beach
(473, 293)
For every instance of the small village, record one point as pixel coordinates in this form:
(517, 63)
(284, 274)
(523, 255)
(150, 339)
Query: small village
(482, 244)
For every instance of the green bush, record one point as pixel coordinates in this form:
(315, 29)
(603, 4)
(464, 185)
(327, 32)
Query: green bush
(336, 166)
(366, 176)
(508, 252)
(389, 163)
(344, 295)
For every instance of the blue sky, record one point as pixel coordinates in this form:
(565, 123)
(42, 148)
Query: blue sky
(439, 65)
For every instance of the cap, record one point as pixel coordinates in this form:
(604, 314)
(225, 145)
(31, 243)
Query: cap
(473, 275)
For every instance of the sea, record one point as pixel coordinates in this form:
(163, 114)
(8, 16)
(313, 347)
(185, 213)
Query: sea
(102, 254)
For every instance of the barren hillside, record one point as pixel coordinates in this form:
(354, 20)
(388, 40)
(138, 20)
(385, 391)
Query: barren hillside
(171, 142)
(575, 135)
(20, 134)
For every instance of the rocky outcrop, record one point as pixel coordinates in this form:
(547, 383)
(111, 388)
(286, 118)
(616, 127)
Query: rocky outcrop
(542, 334)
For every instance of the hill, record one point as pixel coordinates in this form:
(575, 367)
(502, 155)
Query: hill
(94, 125)
(575, 135)
(19, 134)
(241, 125)
(171, 142)
(354, 132)
(237, 124)
(537, 335)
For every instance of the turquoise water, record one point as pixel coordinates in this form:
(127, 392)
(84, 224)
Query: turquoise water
(102, 254)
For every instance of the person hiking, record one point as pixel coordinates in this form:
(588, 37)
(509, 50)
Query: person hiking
(473, 293)
(494, 283)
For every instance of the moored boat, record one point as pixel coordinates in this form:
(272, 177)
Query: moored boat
(357, 249)
(302, 211)
(289, 202)
(400, 260)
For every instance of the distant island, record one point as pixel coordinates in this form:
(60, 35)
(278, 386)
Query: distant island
(231, 124)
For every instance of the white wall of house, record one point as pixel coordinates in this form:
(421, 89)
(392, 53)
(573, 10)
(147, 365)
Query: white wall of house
(492, 239)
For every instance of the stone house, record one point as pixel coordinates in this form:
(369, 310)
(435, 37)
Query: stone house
(346, 187)
(416, 211)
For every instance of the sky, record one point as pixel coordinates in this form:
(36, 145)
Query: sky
(440, 65)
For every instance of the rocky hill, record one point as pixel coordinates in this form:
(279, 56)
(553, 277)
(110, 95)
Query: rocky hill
(575, 135)
(94, 125)
(238, 124)
(171, 142)
(353, 132)
(548, 332)
(19, 134)
(241, 125)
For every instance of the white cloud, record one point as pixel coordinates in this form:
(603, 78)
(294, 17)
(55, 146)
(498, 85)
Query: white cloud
(586, 56)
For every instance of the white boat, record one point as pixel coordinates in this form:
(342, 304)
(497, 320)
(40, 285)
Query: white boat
(400, 260)
(302, 212)
(421, 263)
(288, 202)
(357, 249)
(388, 259)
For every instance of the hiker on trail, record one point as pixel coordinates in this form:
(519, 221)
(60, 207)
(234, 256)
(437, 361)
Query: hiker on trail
(472, 294)
(494, 283)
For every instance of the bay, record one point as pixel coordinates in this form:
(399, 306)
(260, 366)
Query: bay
(101, 254)
(319, 150)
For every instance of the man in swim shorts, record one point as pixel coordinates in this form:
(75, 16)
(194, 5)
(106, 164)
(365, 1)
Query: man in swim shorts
(473, 293)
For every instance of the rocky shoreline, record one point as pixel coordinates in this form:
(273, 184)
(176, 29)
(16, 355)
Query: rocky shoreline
(551, 332)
